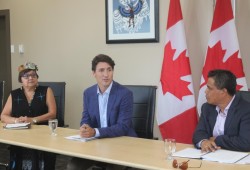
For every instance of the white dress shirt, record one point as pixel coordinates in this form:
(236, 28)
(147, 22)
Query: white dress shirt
(221, 119)
(103, 104)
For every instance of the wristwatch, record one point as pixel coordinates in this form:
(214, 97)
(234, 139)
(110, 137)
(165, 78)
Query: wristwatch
(34, 121)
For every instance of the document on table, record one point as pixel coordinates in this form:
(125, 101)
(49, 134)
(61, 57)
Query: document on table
(221, 155)
(79, 138)
(17, 126)
(189, 153)
(245, 160)
(224, 156)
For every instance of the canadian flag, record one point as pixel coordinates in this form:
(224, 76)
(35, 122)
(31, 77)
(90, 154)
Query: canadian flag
(175, 106)
(223, 49)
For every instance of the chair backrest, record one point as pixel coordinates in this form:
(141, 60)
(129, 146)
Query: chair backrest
(59, 93)
(245, 95)
(143, 109)
(1, 95)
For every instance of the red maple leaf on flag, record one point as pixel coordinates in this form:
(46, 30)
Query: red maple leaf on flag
(173, 70)
(214, 60)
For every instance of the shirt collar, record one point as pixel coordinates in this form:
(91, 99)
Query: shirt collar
(107, 90)
(227, 108)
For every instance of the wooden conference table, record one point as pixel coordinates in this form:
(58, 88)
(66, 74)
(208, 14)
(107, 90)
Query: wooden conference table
(127, 151)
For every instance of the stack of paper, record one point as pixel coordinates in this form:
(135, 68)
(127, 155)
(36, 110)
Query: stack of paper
(79, 138)
(221, 155)
(17, 126)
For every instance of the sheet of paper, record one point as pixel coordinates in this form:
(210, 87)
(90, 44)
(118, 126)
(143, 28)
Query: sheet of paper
(224, 156)
(189, 153)
(79, 138)
(245, 160)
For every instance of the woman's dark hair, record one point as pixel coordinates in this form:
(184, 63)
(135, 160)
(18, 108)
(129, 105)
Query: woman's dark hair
(224, 79)
(102, 58)
(21, 73)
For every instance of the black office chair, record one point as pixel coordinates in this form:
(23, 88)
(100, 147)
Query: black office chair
(1, 95)
(143, 109)
(245, 95)
(59, 93)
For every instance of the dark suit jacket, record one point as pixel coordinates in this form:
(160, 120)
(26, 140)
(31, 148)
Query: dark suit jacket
(237, 126)
(119, 111)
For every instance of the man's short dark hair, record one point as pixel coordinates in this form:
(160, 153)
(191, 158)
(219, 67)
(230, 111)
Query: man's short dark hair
(224, 79)
(102, 58)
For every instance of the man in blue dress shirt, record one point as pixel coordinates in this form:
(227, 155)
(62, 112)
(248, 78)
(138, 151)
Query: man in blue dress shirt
(107, 109)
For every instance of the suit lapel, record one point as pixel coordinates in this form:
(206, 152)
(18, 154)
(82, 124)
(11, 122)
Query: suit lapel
(111, 101)
(231, 114)
(213, 118)
(96, 105)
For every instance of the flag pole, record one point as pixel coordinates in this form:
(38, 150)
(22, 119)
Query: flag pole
(233, 6)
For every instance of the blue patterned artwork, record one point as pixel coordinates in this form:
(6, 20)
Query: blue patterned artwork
(132, 21)
(131, 16)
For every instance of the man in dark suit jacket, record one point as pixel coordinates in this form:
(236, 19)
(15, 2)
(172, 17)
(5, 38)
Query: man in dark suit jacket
(225, 118)
(119, 112)
(108, 108)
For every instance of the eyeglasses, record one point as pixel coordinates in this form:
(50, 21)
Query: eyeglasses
(183, 165)
(26, 76)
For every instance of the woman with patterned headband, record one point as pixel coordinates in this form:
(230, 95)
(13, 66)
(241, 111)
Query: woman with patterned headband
(30, 103)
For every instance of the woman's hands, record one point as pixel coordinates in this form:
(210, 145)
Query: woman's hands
(23, 119)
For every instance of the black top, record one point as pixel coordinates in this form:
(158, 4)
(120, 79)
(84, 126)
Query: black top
(24, 158)
(37, 107)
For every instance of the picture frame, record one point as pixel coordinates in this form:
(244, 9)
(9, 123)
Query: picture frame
(132, 21)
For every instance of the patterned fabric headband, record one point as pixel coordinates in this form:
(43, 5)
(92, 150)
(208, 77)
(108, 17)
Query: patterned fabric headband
(28, 65)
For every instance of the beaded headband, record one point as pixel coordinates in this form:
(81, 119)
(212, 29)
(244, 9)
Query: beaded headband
(26, 66)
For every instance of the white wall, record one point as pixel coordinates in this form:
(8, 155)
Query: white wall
(62, 37)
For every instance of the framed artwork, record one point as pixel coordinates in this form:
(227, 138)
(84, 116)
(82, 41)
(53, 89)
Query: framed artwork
(132, 21)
